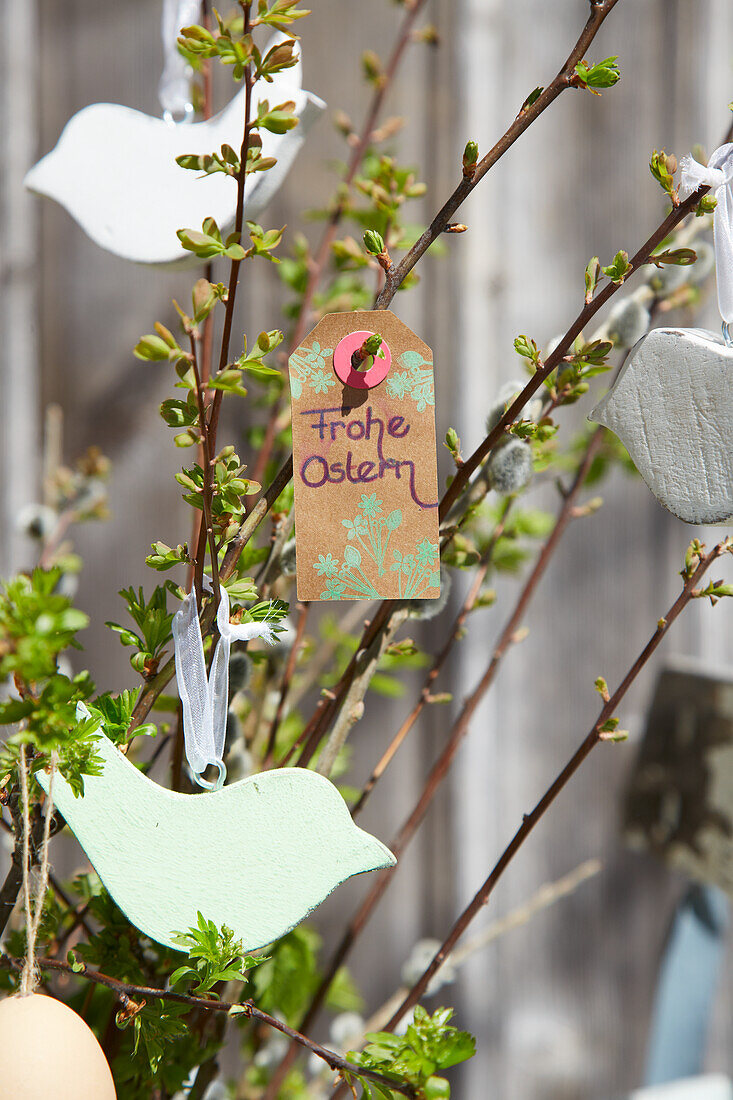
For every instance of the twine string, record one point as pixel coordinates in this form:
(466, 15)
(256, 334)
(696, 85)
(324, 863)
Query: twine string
(30, 977)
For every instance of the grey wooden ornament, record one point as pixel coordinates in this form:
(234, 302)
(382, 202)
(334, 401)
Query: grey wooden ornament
(672, 408)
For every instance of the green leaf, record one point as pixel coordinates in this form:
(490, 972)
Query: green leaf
(681, 257)
(179, 414)
(374, 242)
(151, 348)
(206, 244)
(164, 557)
(531, 98)
(527, 348)
(603, 75)
(663, 168)
(592, 275)
(618, 268)
(14, 711)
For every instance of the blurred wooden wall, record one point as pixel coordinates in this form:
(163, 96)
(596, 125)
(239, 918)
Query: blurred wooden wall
(560, 1007)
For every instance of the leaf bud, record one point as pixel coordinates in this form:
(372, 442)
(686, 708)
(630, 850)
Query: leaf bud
(374, 242)
(470, 158)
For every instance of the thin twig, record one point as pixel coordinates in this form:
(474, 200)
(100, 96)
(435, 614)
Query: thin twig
(397, 274)
(353, 705)
(285, 685)
(548, 894)
(326, 650)
(238, 226)
(208, 488)
(530, 820)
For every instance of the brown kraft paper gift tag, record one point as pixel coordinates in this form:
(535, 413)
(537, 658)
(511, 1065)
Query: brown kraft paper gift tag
(364, 463)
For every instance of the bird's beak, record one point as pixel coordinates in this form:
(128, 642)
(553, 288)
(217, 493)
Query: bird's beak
(373, 854)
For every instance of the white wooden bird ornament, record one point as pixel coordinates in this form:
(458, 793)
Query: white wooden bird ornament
(672, 404)
(114, 170)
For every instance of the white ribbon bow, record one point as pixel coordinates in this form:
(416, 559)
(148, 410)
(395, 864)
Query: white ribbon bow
(205, 701)
(718, 175)
(174, 89)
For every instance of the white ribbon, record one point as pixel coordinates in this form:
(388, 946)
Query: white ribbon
(174, 89)
(718, 175)
(205, 701)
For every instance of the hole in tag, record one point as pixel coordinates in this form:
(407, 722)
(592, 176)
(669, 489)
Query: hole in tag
(360, 379)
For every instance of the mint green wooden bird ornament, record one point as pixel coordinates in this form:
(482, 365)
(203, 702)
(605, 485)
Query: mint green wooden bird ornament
(258, 855)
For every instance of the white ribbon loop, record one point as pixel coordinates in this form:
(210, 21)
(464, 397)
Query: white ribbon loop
(174, 89)
(193, 687)
(205, 701)
(718, 175)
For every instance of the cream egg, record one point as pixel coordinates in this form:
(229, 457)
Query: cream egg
(47, 1051)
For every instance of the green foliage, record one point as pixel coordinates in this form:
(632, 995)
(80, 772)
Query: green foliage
(204, 298)
(237, 50)
(619, 267)
(521, 526)
(208, 243)
(679, 257)
(278, 120)
(50, 725)
(592, 275)
(155, 1027)
(429, 1045)
(159, 346)
(286, 981)
(166, 557)
(374, 242)
(663, 167)
(153, 622)
(693, 554)
(705, 206)
(229, 491)
(527, 348)
(470, 158)
(227, 161)
(213, 956)
(715, 590)
(584, 362)
(115, 714)
(160, 1043)
(372, 67)
(602, 75)
(533, 96)
(453, 443)
(252, 361)
(37, 623)
(372, 344)
(541, 432)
